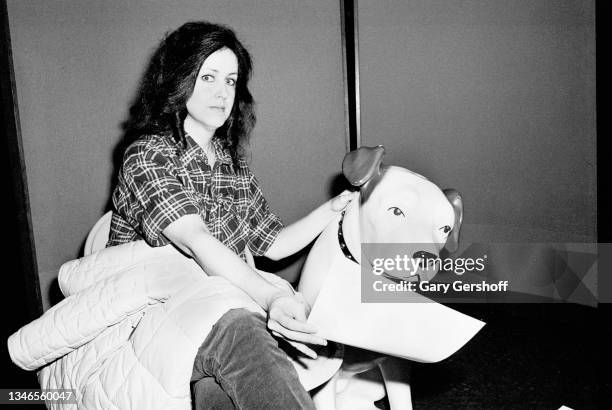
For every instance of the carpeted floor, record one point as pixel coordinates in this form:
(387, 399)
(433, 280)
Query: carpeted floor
(528, 356)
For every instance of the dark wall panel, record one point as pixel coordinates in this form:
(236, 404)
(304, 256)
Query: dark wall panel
(494, 98)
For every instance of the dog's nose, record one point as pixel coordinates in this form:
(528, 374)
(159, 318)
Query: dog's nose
(426, 258)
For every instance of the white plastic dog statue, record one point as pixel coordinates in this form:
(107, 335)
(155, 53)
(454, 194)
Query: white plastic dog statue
(395, 205)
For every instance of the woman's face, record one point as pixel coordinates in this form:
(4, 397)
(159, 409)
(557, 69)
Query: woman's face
(213, 95)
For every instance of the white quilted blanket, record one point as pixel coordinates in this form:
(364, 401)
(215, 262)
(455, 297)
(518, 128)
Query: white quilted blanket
(128, 331)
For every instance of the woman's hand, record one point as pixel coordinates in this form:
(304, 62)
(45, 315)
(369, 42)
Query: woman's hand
(287, 315)
(339, 202)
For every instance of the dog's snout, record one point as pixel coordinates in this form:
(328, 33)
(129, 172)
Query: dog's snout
(426, 258)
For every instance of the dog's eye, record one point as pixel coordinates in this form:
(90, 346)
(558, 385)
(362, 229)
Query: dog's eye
(396, 211)
(446, 229)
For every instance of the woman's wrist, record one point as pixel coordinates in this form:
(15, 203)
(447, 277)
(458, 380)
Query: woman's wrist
(272, 296)
(326, 211)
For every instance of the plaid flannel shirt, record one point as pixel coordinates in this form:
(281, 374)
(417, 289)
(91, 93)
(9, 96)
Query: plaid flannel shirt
(160, 182)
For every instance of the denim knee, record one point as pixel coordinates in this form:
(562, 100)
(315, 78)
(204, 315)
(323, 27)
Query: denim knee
(234, 335)
(241, 319)
(244, 358)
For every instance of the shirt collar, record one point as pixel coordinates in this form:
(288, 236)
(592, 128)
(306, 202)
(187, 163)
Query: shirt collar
(222, 154)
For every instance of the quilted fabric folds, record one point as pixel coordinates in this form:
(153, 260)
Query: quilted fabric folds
(129, 328)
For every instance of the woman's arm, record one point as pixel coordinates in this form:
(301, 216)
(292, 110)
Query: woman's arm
(287, 312)
(300, 233)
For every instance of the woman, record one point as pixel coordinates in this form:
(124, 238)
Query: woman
(184, 181)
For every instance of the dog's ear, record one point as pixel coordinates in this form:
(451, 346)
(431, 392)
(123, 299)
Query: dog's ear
(363, 164)
(454, 197)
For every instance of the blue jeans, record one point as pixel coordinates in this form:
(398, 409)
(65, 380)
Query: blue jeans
(240, 366)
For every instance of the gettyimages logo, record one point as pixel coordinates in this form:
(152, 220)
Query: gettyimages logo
(411, 265)
(480, 273)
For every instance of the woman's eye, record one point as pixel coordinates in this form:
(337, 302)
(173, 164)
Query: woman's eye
(396, 211)
(446, 229)
(231, 82)
(208, 77)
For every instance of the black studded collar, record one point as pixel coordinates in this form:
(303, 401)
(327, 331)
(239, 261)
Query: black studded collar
(343, 247)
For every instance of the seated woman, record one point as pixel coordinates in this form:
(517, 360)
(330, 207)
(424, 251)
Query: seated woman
(184, 181)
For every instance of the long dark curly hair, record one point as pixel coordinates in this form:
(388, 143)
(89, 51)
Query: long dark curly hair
(160, 106)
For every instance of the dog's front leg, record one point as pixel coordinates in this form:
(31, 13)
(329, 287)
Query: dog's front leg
(396, 376)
